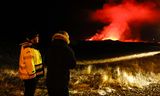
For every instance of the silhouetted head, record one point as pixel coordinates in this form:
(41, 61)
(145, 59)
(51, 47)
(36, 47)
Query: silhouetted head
(33, 37)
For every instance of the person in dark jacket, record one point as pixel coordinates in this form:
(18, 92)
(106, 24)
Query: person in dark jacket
(59, 60)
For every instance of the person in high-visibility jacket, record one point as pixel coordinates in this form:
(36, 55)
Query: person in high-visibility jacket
(30, 64)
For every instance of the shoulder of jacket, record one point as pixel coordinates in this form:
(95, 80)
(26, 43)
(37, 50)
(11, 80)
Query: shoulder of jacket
(26, 44)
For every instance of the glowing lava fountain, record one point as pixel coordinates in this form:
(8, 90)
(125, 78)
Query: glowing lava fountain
(121, 16)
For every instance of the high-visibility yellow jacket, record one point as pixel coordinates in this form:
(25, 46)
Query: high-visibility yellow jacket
(30, 60)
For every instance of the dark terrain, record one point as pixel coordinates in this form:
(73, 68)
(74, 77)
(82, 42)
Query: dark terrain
(86, 80)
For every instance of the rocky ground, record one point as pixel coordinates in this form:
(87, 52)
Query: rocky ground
(138, 77)
(81, 84)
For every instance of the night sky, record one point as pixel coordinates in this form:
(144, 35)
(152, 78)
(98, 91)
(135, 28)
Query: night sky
(18, 18)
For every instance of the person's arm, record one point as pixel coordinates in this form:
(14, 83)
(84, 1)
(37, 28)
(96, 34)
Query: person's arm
(21, 61)
(72, 59)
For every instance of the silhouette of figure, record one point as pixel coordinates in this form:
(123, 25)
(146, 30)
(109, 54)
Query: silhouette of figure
(30, 64)
(59, 59)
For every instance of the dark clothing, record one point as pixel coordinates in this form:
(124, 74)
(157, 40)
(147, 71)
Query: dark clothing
(30, 86)
(59, 59)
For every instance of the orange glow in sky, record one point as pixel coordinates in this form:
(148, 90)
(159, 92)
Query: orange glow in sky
(120, 17)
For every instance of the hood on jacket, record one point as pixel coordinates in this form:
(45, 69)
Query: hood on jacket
(63, 36)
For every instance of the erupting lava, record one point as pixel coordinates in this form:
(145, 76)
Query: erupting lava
(121, 16)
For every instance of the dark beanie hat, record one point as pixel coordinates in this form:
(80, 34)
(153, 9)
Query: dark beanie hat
(30, 35)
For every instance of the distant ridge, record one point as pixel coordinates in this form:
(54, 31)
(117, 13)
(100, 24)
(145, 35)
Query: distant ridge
(109, 48)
